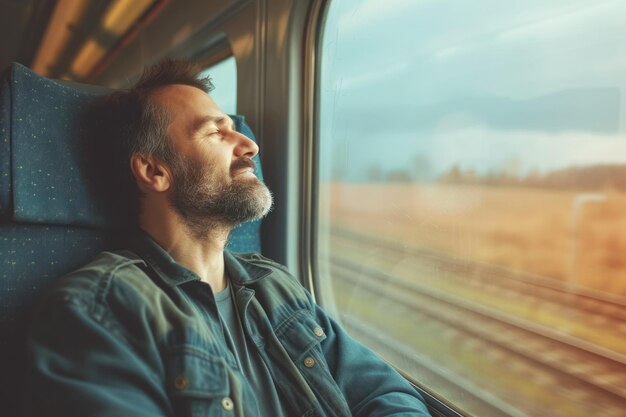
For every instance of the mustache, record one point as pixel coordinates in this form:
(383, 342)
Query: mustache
(243, 162)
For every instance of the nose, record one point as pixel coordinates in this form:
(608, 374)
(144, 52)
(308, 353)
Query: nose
(245, 146)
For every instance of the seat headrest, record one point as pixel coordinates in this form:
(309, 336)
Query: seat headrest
(42, 129)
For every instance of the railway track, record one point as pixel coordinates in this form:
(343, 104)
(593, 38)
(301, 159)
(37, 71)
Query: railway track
(482, 402)
(599, 308)
(595, 373)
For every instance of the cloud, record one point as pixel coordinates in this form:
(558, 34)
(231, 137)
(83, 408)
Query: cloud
(364, 79)
(560, 22)
(483, 149)
(367, 13)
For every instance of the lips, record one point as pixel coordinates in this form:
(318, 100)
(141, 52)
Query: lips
(241, 166)
(244, 171)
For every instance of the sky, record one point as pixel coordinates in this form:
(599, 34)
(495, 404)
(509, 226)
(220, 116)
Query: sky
(481, 84)
(224, 78)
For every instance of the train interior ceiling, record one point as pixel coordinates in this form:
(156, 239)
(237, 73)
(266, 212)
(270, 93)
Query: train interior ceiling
(449, 177)
(108, 43)
(69, 39)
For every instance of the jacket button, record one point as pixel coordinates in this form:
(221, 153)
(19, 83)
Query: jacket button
(309, 362)
(319, 332)
(181, 382)
(227, 403)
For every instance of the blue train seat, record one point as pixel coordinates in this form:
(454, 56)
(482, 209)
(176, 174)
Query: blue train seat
(52, 219)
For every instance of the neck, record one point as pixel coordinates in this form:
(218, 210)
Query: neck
(203, 255)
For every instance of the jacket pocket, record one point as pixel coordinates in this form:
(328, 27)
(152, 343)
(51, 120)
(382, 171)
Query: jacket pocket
(301, 336)
(197, 384)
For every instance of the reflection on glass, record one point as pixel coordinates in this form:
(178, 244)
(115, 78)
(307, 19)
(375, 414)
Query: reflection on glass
(473, 197)
(224, 78)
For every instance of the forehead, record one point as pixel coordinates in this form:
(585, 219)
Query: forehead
(184, 104)
(188, 108)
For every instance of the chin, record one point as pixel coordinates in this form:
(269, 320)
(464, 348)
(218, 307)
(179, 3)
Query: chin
(262, 201)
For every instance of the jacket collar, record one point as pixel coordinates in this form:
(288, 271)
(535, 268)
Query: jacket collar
(243, 272)
(240, 271)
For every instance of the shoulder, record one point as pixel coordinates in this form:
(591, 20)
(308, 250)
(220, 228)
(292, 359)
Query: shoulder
(91, 282)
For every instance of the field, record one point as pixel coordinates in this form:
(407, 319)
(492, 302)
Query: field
(476, 336)
(578, 238)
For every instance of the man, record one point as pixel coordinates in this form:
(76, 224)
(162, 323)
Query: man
(176, 325)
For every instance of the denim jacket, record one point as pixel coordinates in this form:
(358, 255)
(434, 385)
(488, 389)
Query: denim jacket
(135, 334)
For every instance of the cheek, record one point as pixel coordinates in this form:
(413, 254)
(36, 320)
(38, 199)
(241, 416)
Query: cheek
(215, 169)
(214, 155)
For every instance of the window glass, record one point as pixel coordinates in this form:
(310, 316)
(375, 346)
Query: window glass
(472, 197)
(224, 78)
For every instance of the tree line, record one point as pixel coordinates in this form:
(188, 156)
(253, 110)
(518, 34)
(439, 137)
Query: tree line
(588, 178)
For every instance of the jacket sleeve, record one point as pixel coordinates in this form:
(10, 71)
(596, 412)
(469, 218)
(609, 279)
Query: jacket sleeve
(371, 387)
(80, 365)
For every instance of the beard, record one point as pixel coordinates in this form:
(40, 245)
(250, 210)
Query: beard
(207, 198)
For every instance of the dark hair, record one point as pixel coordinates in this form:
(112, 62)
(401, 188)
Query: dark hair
(129, 122)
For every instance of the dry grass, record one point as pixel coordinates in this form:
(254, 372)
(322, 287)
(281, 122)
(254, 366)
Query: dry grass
(533, 230)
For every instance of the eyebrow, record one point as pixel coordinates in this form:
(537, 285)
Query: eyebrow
(200, 122)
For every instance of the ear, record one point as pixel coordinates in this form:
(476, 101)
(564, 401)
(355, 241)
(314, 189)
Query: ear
(150, 174)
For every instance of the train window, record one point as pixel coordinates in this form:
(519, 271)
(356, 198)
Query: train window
(471, 213)
(224, 77)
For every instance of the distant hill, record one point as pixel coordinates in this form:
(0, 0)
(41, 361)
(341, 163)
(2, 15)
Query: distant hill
(587, 178)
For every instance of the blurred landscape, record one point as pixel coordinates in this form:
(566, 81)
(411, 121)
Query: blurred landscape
(424, 253)
(549, 225)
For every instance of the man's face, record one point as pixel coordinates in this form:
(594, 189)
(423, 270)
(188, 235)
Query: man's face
(213, 178)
